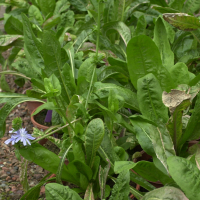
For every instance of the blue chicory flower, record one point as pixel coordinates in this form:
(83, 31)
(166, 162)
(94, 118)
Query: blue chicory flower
(20, 135)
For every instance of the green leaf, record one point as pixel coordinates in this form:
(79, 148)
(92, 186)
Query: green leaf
(61, 6)
(45, 7)
(102, 90)
(60, 167)
(89, 193)
(123, 165)
(107, 152)
(32, 45)
(23, 174)
(103, 174)
(149, 96)
(195, 150)
(158, 138)
(51, 22)
(165, 193)
(7, 40)
(175, 123)
(192, 131)
(187, 176)
(177, 4)
(93, 138)
(179, 73)
(121, 188)
(54, 191)
(47, 160)
(78, 150)
(191, 6)
(53, 60)
(79, 4)
(159, 2)
(165, 9)
(141, 26)
(162, 42)
(143, 57)
(122, 29)
(141, 181)
(35, 14)
(13, 26)
(3, 84)
(182, 21)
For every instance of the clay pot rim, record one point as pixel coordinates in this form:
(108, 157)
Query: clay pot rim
(37, 124)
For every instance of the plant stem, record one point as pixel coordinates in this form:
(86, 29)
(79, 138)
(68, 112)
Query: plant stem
(55, 131)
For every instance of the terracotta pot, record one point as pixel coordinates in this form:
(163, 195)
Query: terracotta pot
(32, 105)
(39, 126)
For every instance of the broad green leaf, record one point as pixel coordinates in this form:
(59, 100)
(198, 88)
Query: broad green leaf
(61, 6)
(53, 60)
(102, 90)
(51, 22)
(182, 21)
(187, 176)
(78, 150)
(121, 188)
(120, 27)
(177, 4)
(165, 193)
(159, 2)
(54, 191)
(48, 106)
(35, 14)
(143, 57)
(149, 96)
(93, 138)
(165, 9)
(107, 152)
(192, 131)
(89, 193)
(152, 174)
(180, 74)
(175, 123)
(162, 42)
(85, 75)
(46, 159)
(32, 45)
(195, 150)
(4, 85)
(45, 7)
(143, 128)
(141, 26)
(13, 26)
(79, 4)
(191, 6)
(158, 138)
(141, 181)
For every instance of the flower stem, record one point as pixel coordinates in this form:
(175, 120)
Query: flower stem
(55, 131)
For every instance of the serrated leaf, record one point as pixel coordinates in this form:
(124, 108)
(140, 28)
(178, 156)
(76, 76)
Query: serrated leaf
(54, 191)
(94, 136)
(187, 176)
(182, 21)
(121, 188)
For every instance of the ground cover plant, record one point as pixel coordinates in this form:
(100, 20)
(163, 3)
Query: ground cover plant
(119, 77)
